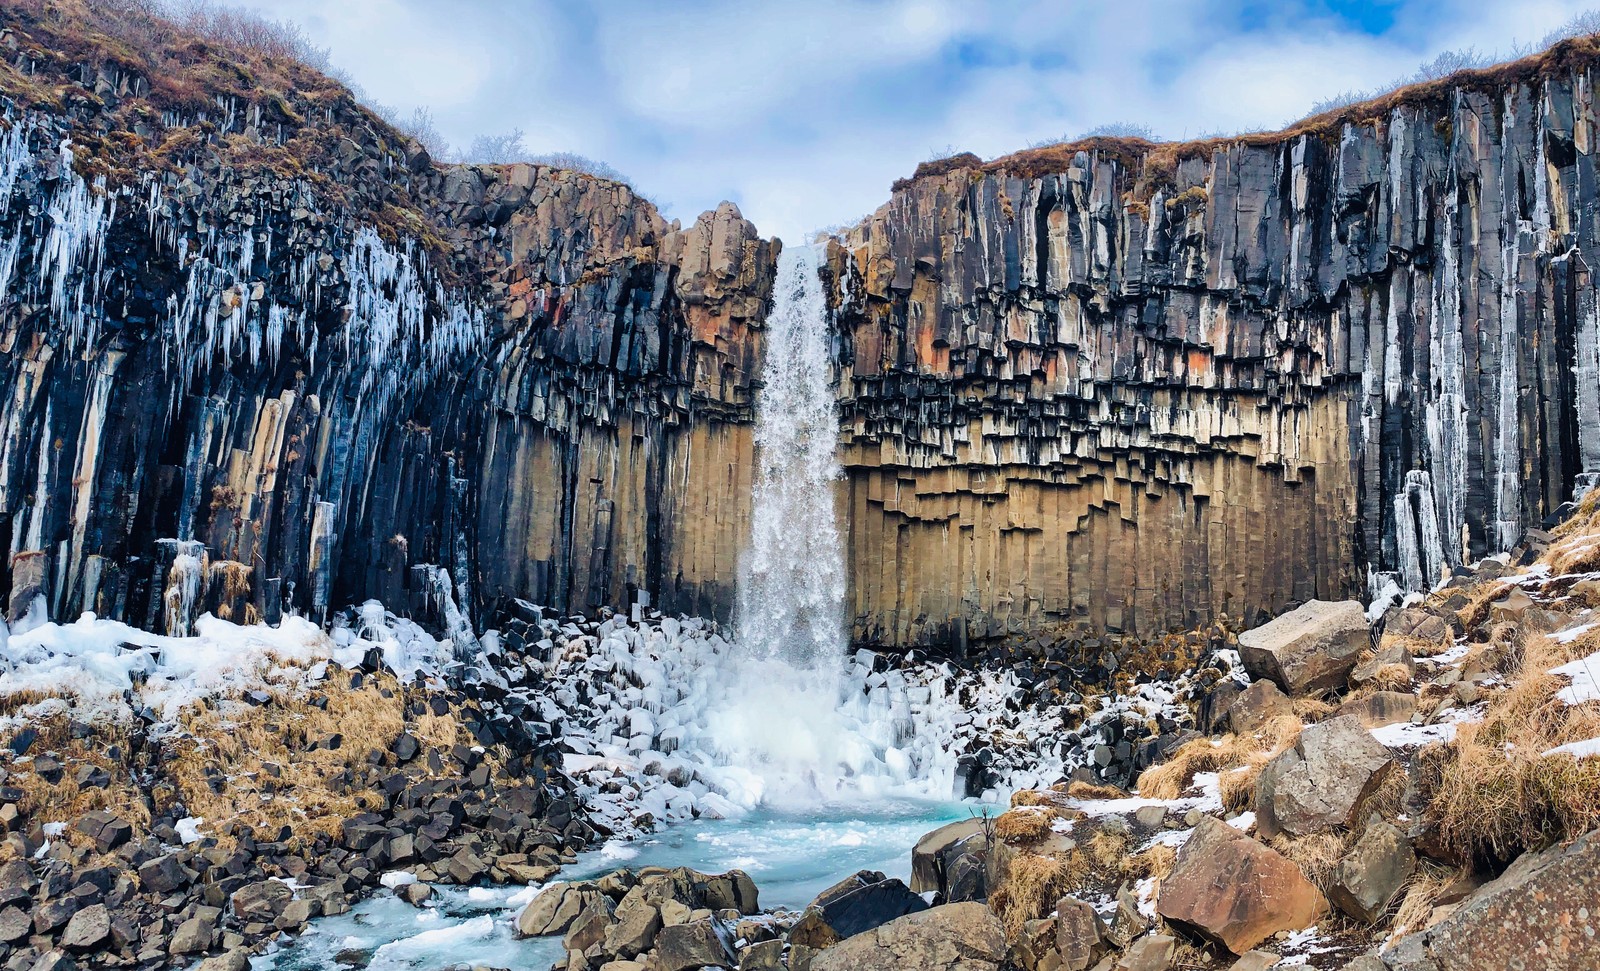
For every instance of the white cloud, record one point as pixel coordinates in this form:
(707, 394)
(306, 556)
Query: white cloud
(804, 113)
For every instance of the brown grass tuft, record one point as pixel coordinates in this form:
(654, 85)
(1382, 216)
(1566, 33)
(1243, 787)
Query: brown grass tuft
(1090, 790)
(1317, 855)
(1496, 794)
(1031, 887)
(1031, 797)
(1392, 677)
(1169, 779)
(1024, 826)
(1417, 901)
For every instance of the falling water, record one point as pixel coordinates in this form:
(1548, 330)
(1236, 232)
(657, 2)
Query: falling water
(781, 717)
(791, 597)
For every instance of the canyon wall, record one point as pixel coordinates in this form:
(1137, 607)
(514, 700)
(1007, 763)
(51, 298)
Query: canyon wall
(262, 354)
(1134, 386)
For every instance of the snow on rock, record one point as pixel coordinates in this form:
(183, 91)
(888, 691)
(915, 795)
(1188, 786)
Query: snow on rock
(1578, 750)
(1585, 676)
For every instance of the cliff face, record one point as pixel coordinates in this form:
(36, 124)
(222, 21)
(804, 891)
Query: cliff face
(1135, 386)
(262, 353)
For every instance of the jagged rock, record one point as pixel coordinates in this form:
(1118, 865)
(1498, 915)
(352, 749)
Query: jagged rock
(635, 929)
(954, 937)
(1372, 872)
(1539, 913)
(1080, 935)
(860, 903)
(263, 901)
(1322, 781)
(87, 929)
(107, 831)
(1309, 649)
(697, 944)
(193, 936)
(1235, 891)
(15, 924)
(762, 956)
(1418, 624)
(928, 857)
(1153, 952)
(1256, 706)
(557, 906)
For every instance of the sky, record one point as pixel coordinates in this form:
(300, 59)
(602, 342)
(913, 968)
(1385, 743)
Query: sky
(803, 113)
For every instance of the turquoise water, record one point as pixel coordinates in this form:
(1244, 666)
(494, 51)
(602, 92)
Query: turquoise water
(791, 855)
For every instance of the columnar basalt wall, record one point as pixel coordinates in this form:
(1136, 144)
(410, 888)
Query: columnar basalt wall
(1136, 386)
(261, 354)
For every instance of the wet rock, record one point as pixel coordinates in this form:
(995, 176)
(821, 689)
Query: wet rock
(1322, 781)
(1235, 891)
(1309, 649)
(697, 944)
(954, 937)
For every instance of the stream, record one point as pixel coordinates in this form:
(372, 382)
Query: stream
(792, 855)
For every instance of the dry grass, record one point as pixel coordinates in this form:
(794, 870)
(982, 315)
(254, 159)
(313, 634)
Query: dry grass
(1392, 677)
(1154, 863)
(1090, 790)
(254, 764)
(1312, 709)
(1108, 850)
(65, 800)
(1031, 887)
(1416, 646)
(1496, 794)
(1026, 825)
(1237, 786)
(1171, 778)
(1576, 548)
(1031, 797)
(1317, 854)
(1417, 900)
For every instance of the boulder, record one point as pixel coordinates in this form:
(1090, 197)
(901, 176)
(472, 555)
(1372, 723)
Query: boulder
(1373, 872)
(88, 929)
(1080, 935)
(1256, 706)
(192, 937)
(635, 929)
(954, 937)
(1381, 708)
(1322, 781)
(697, 944)
(1255, 961)
(1153, 952)
(762, 956)
(558, 907)
(1418, 624)
(733, 890)
(1539, 913)
(107, 831)
(867, 906)
(1309, 649)
(1235, 891)
(928, 865)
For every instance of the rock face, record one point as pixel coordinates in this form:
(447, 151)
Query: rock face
(1540, 913)
(232, 388)
(1372, 872)
(1322, 781)
(276, 357)
(955, 937)
(1136, 385)
(1309, 649)
(1233, 890)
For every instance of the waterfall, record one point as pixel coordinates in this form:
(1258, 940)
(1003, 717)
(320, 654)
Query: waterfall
(791, 595)
(782, 714)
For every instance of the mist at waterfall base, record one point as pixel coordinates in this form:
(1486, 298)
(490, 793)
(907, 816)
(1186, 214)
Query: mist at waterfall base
(785, 715)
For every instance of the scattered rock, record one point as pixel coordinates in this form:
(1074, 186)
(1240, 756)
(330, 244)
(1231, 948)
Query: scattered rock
(1235, 891)
(1309, 649)
(697, 944)
(1322, 781)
